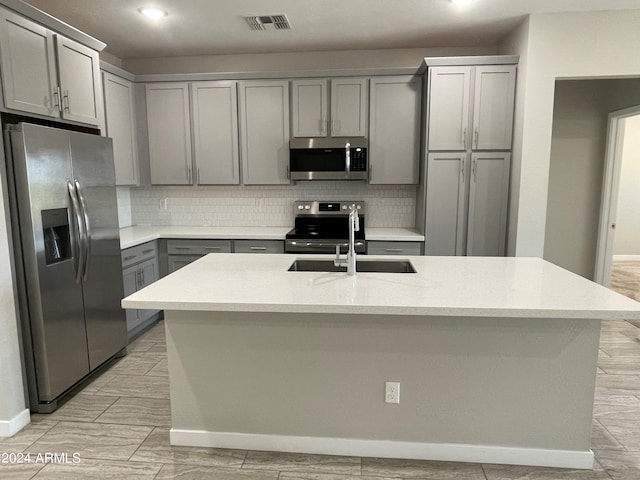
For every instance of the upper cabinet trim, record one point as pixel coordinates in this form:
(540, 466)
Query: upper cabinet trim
(53, 23)
(471, 61)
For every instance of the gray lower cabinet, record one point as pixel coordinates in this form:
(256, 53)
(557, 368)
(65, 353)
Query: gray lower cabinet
(394, 248)
(258, 246)
(139, 269)
(467, 198)
(182, 252)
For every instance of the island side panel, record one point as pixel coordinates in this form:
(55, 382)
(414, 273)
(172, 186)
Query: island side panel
(510, 383)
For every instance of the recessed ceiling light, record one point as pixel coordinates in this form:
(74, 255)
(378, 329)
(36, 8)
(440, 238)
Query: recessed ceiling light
(461, 2)
(154, 13)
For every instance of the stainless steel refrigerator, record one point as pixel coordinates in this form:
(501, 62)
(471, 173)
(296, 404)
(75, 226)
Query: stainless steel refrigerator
(67, 251)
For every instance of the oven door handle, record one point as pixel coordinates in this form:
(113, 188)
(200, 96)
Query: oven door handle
(359, 243)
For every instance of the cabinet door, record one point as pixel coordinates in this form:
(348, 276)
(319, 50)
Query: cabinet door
(447, 179)
(131, 279)
(264, 131)
(448, 123)
(176, 262)
(29, 77)
(309, 108)
(148, 272)
(120, 119)
(394, 130)
(169, 133)
(394, 248)
(79, 72)
(494, 95)
(349, 107)
(488, 199)
(215, 132)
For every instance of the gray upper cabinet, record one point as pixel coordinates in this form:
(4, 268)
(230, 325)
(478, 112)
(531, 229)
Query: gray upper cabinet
(494, 97)
(488, 90)
(35, 81)
(264, 131)
(169, 133)
(449, 92)
(337, 107)
(349, 107)
(79, 72)
(215, 132)
(394, 130)
(120, 124)
(309, 108)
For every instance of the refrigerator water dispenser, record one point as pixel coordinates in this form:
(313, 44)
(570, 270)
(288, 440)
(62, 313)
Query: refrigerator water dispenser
(57, 242)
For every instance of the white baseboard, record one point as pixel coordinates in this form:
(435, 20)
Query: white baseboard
(388, 449)
(9, 428)
(626, 258)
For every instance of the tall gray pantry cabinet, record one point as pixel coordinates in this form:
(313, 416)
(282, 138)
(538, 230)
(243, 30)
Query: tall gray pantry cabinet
(468, 143)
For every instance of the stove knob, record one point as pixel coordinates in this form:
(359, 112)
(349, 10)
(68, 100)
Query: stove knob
(359, 207)
(307, 207)
(300, 207)
(344, 207)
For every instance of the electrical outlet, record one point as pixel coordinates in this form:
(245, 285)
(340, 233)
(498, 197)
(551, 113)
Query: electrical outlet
(392, 392)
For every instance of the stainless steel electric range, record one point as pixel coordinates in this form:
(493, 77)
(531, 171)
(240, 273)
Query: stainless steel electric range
(321, 226)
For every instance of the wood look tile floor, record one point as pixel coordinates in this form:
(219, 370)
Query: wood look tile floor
(119, 424)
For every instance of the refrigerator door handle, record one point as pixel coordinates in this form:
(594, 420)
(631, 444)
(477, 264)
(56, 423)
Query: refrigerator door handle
(78, 235)
(87, 230)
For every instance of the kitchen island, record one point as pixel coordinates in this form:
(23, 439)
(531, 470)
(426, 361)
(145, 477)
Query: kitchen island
(496, 358)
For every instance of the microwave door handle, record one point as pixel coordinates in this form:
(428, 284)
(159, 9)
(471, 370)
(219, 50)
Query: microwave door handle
(347, 159)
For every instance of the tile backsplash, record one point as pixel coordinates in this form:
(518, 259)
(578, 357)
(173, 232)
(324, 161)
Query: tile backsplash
(387, 205)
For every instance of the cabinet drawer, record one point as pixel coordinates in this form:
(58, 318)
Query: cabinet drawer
(198, 247)
(136, 254)
(258, 246)
(394, 248)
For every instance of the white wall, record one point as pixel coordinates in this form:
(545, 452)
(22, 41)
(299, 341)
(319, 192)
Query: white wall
(627, 236)
(575, 174)
(279, 62)
(565, 45)
(13, 414)
(517, 43)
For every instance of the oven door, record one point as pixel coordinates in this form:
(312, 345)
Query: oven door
(322, 246)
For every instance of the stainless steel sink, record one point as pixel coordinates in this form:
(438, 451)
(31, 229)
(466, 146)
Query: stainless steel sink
(363, 266)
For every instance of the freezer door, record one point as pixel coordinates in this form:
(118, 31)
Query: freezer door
(93, 170)
(54, 317)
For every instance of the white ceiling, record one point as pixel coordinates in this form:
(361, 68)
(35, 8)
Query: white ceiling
(208, 27)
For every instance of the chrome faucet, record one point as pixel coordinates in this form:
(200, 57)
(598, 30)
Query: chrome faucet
(354, 226)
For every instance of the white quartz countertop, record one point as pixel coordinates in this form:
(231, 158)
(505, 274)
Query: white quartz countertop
(442, 286)
(136, 235)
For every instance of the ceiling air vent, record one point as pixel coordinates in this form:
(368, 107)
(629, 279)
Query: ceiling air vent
(268, 22)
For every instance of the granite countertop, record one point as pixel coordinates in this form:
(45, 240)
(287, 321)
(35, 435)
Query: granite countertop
(136, 235)
(442, 286)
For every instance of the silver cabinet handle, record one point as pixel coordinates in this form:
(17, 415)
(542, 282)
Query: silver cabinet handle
(261, 249)
(66, 105)
(130, 257)
(462, 169)
(56, 99)
(198, 175)
(474, 167)
(475, 135)
(182, 248)
(147, 251)
(395, 250)
(464, 137)
(189, 177)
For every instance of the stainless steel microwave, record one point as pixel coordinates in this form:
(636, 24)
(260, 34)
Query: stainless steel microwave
(328, 159)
